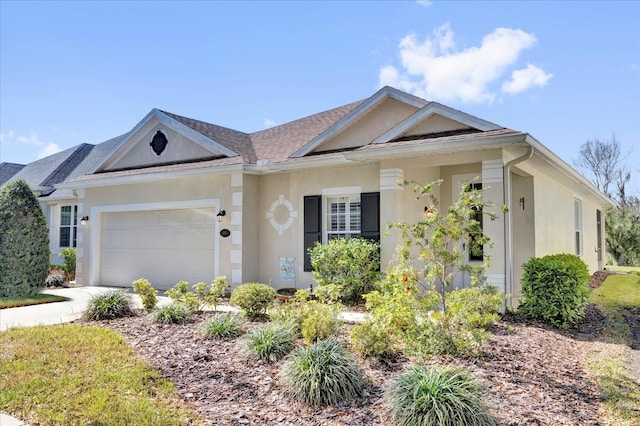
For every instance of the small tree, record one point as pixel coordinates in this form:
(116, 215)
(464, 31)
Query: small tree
(24, 242)
(430, 256)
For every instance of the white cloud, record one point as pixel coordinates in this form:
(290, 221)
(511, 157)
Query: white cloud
(49, 149)
(269, 123)
(424, 3)
(435, 69)
(524, 79)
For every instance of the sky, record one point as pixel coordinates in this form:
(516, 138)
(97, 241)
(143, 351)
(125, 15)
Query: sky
(83, 72)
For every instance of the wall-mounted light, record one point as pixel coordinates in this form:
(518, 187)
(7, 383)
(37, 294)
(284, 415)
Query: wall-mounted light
(84, 220)
(220, 215)
(428, 212)
(522, 202)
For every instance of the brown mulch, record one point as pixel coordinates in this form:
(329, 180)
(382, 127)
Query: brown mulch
(532, 375)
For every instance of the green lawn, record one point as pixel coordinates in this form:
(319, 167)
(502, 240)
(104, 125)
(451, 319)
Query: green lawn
(607, 360)
(82, 375)
(6, 302)
(624, 268)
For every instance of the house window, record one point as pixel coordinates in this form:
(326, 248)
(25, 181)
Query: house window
(577, 225)
(68, 226)
(476, 250)
(343, 217)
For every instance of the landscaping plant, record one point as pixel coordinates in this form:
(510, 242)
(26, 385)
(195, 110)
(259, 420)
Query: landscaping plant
(223, 326)
(321, 374)
(413, 302)
(68, 254)
(436, 396)
(352, 265)
(554, 289)
(173, 313)
(217, 290)
(270, 342)
(148, 294)
(24, 242)
(109, 305)
(180, 294)
(253, 298)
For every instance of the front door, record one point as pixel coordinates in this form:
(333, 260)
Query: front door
(461, 280)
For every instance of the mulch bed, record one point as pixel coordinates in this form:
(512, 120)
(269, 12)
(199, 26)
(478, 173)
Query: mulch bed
(532, 375)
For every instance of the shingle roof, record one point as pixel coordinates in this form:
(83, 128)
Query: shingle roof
(7, 170)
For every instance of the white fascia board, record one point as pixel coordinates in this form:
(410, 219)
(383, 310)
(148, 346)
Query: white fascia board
(344, 122)
(197, 137)
(430, 147)
(563, 167)
(429, 110)
(123, 146)
(150, 177)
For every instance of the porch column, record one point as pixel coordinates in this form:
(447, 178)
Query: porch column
(492, 184)
(390, 211)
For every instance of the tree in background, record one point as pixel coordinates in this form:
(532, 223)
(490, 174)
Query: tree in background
(24, 242)
(603, 162)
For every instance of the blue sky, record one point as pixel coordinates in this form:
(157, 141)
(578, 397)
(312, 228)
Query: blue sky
(83, 72)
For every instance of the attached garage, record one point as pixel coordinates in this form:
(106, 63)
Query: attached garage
(163, 246)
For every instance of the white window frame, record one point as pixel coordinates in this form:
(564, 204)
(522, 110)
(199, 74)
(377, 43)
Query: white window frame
(351, 217)
(578, 220)
(72, 225)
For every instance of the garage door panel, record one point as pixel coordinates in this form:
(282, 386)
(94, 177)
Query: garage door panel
(162, 246)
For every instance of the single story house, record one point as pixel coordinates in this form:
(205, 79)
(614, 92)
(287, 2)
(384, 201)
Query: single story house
(181, 199)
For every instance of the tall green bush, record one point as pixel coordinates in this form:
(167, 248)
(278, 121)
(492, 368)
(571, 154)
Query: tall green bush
(24, 242)
(352, 265)
(554, 289)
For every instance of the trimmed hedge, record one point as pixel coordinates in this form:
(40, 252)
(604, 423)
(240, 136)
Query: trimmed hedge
(555, 290)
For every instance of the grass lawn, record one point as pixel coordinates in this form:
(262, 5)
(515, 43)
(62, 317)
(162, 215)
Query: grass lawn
(624, 268)
(80, 375)
(607, 359)
(7, 302)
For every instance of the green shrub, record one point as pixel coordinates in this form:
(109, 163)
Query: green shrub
(352, 265)
(147, 293)
(180, 294)
(223, 326)
(436, 396)
(321, 322)
(24, 242)
(109, 305)
(323, 373)
(218, 289)
(370, 339)
(270, 342)
(554, 289)
(253, 298)
(69, 266)
(173, 313)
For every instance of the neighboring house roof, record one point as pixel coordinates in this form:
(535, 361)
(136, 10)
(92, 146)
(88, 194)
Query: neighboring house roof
(7, 170)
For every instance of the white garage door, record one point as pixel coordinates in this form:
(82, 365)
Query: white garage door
(163, 246)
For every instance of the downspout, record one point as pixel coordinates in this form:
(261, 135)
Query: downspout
(508, 226)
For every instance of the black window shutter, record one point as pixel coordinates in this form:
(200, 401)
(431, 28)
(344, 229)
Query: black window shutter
(312, 226)
(370, 210)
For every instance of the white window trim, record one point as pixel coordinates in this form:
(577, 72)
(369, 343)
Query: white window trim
(578, 226)
(327, 194)
(71, 226)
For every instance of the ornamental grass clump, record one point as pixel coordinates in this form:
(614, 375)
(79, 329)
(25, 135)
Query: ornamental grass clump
(270, 342)
(223, 326)
(173, 313)
(109, 305)
(436, 396)
(322, 374)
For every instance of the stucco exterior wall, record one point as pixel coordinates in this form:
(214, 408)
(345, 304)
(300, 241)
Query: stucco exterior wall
(215, 189)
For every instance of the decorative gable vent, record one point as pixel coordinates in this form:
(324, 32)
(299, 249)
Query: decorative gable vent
(159, 142)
